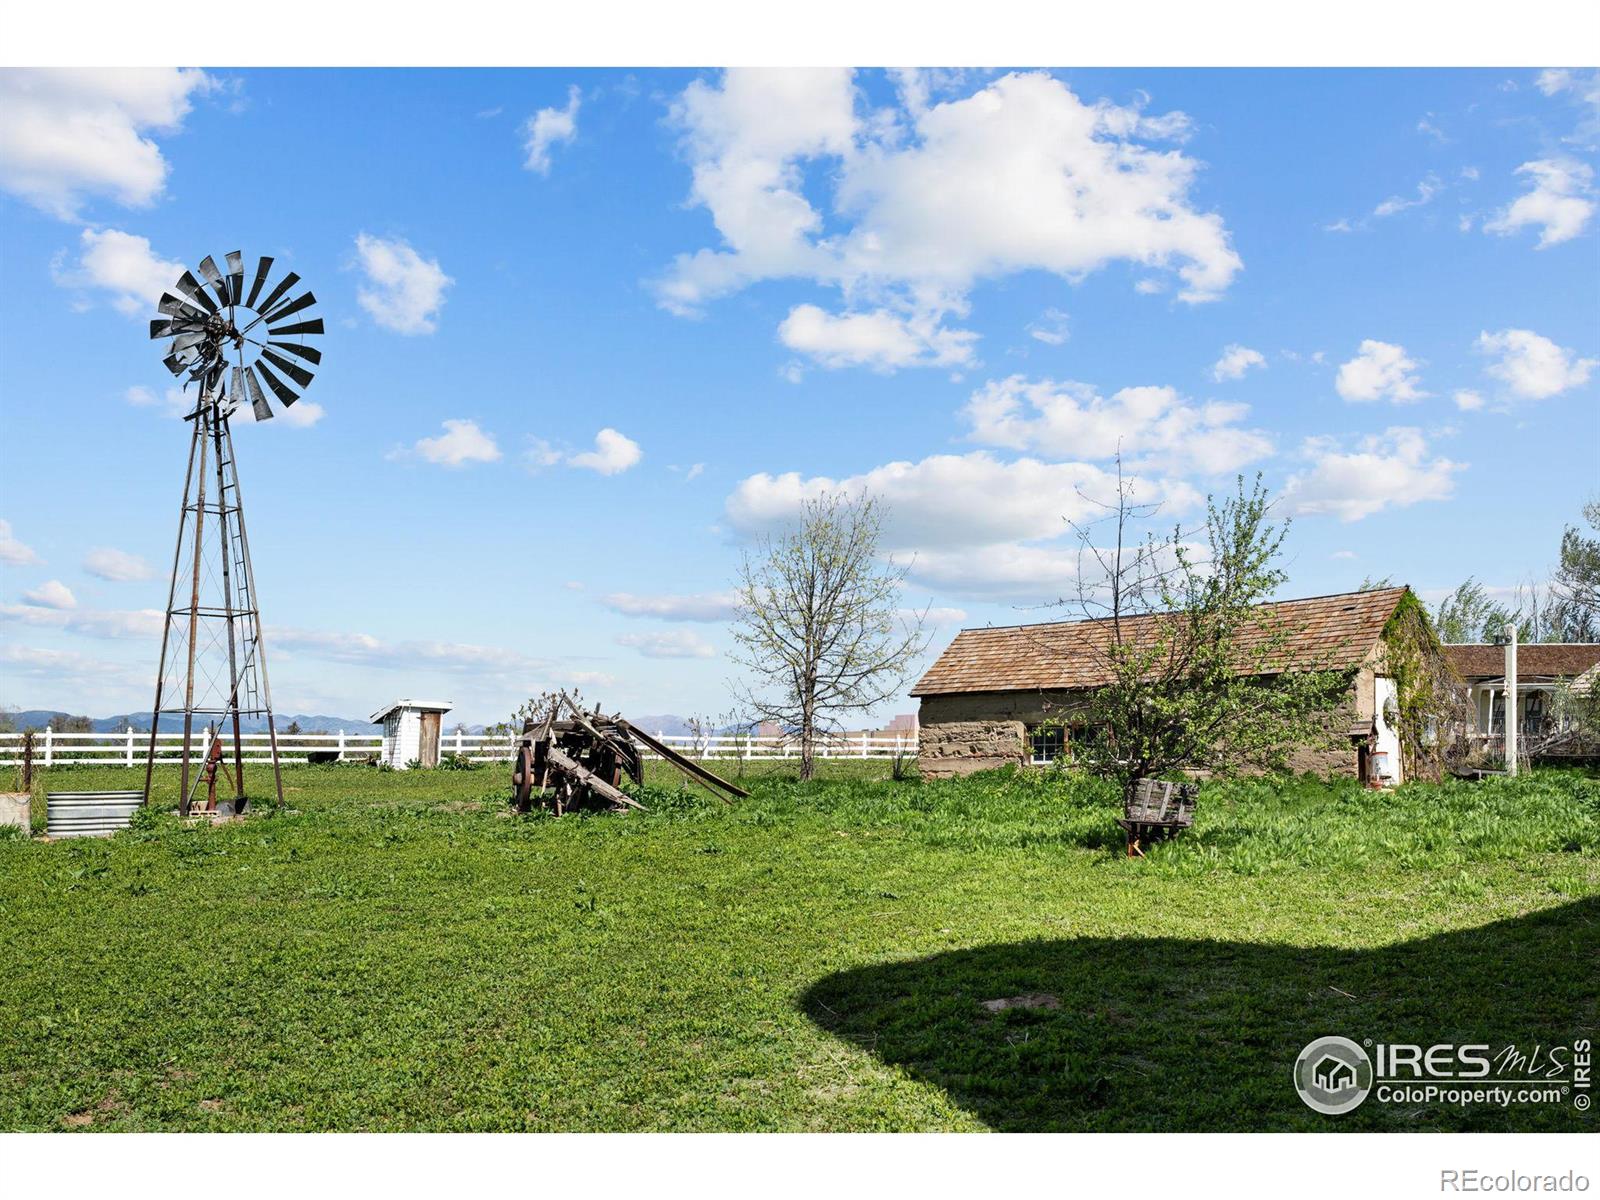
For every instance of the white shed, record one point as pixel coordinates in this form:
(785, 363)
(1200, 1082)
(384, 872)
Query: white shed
(411, 732)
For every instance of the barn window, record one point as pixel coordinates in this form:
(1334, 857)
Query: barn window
(1048, 741)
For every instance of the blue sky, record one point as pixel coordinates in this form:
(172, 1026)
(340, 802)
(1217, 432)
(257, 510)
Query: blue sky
(590, 332)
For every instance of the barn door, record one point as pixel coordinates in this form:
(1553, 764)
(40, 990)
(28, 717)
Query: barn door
(429, 751)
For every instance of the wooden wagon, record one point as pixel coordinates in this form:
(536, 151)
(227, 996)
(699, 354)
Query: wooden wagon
(1154, 809)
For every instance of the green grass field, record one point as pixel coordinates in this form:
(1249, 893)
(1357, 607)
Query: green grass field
(395, 951)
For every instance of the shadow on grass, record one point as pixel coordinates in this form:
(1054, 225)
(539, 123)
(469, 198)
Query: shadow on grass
(1164, 1034)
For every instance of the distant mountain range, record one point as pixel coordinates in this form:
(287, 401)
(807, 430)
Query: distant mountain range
(38, 718)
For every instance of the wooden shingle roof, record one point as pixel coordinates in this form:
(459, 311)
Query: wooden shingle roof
(1323, 631)
(1476, 660)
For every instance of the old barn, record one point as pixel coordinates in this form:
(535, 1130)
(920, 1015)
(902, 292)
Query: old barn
(1003, 696)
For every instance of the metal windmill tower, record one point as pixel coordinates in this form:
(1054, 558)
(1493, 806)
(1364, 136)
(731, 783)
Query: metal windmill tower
(228, 339)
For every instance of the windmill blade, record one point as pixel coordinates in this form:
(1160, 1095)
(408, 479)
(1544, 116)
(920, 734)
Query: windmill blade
(235, 388)
(295, 348)
(288, 282)
(235, 277)
(160, 328)
(284, 394)
(263, 268)
(299, 374)
(185, 340)
(175, 364)
(291, 330)
(174, 307)
(258, 402)
(289, 309)
(190, 286)
(214, 277)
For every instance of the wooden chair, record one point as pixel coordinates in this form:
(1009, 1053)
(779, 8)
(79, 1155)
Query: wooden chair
(1155, 809)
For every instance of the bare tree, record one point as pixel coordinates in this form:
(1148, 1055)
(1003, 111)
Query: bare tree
(819, 625)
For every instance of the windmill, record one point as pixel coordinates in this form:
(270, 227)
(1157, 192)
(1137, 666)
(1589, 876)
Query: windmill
(229, 336)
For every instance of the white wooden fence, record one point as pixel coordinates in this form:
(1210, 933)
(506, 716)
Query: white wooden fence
(128, 747)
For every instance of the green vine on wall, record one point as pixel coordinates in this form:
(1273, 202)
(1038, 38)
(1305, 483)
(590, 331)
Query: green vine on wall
(1430, 705)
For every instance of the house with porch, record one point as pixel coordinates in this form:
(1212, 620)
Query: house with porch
(997, 696)
(1544, 669)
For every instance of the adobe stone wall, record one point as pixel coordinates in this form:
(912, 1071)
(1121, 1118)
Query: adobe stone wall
(980, 731)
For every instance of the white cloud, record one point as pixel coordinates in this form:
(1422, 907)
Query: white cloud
(116, 565)
(1558, 202)
(58, 669)
(1235, 361)
(461, 443)
(550, 127)
(1380, 371)
(1150, 425)
(1468, 400)
(66, 135)
(112, 624)
(300, 415)
(1533, 367)
(173, 402)
(950, 500)
(878, 339)
(613, 453)
(915, 218)
(363, 649)
(1002, 571)
(702, 606)
(14, 552)
(122, 264)
(1583, 89)
(1051, 328)
(1391, 470)
(1427, 189)
(673, 643)
(403, 291)
(1343, 554)
(933, 617)
(51, 594)
(1425, 125)
(694, 472)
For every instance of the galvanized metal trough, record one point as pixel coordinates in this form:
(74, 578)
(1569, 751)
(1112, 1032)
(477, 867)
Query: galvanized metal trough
(89, 814)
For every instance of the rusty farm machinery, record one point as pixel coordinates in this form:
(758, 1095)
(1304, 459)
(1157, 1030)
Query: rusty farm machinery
(577, 758)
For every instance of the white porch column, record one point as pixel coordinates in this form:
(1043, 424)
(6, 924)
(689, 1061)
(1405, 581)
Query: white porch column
(1511, 703)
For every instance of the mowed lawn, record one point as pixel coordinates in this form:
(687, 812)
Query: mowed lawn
(395, 951)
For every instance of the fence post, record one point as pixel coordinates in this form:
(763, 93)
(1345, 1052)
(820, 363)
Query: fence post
(129, 757)
(341, 745)
(863, 743)
(49, 744)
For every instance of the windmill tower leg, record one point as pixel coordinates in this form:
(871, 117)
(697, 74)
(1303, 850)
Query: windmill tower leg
(166, 628)
(194, 602)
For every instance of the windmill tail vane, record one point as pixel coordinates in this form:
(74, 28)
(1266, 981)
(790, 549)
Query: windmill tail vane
(238, 337)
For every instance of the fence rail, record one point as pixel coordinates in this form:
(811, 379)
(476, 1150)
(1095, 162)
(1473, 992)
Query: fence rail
(128, 748)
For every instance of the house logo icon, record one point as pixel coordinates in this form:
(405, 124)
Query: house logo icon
(1333, 1075)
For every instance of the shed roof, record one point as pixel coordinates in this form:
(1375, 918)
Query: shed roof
(1478, 660)
(439, 706)
(1336, 631)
